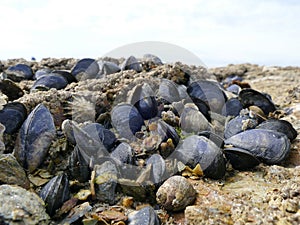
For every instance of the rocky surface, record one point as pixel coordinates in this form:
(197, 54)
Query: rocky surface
(264, 195)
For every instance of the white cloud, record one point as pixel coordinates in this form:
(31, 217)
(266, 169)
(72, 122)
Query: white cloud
(218, 31)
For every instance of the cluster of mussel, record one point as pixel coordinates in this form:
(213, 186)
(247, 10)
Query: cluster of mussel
(161, 128)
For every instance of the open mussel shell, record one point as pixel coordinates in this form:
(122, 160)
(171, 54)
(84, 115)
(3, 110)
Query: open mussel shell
(55, 193)
(145, 216)
(11, 172)
(282, 126)
(107, 68)
(239, 124)
(240, 159)
(19, 72)
(268, 146)
(192, 120)
(48, 81)
(127, 120)
(250, 97)
(10, 89)
(106, 179)
(208, 92)
(232, 107)
(100, 133)
(85, 69)
(34, 138)
(143, 98)
(199, 150)
(12, 116)
(131, 63)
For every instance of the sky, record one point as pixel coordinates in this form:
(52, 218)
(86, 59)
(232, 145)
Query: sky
(218, 32)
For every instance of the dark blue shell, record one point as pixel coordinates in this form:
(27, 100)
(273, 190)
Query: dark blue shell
(100, 133)
(232, 107)
(241, 159)
(237, 125)
(55, 193)
(282, 126)
(127, 120)
(35, 137)
(143, 98)
(107, 68)
(131, 63)
(268, 146)
(145, 216)
(48, 81)
(198, 149)
(85, 69)
(208, 92)
(12, 116)
(68, 76)
(158, 168)
(250, 97)
(123, 153)
(19, 72)
(41, 72)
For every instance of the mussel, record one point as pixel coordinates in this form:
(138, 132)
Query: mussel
(195, 150)
(48, 81)
(192, 120)
(127, 120)
(239, 124)
(158, 167)
(268, 146)
(12, 116)
(145, 216)
(34, 138)
(209, 92)
(282, 126)
(78, 167)
(240, 159)
(232, 107)
(250, 97)
(143, 98)
(100, 133)
(55, 193)
(85, 69)
(19, 72)
(131, 63)
(123, 153)
(107, 68)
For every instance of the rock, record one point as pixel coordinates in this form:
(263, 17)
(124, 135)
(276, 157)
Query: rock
(18, 206)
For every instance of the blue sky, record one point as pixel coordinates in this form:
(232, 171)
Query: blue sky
(219, 32)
